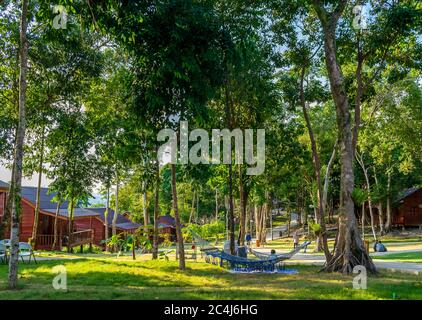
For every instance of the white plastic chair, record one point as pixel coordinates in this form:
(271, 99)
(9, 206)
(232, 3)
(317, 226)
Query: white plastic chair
(6, 242)
(3, 256)
(25, 250)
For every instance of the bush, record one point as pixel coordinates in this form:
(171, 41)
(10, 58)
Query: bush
(315, 227)
(209, 230)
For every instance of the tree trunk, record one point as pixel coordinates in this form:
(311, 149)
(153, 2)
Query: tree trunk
(251, 220)
(9, 201)
(106, 213)
(180, 244)
(265, 216)
(319, 212)
(70, 224)
(192, 210)
(229, 119)
(327, 179)
(380, 207)
(299, 217)
(20, 136)
(359, 93)
(216, 204)
(145, 212)
(289, 219)
(133, 246)
(197, 207)
(381, 218)
(368, 186)
(56, 220)
(247, 222)
(262, 222)
(116, 209)
(231, 212)
(388, 221)
(156, 208)
(363, 220)
(226, 205)
(305, 215)
(37, 206)
(257, 214)
(243, 203)
(350, 250)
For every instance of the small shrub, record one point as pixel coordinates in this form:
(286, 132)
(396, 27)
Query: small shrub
(210, 230)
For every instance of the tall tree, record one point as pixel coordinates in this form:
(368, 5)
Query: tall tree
(349, 250)
(15, 191)
(72, 164)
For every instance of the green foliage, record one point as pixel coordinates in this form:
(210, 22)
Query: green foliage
(99, 91)
(115, 240)
(210, 230)
(359, 196)
(315, 227)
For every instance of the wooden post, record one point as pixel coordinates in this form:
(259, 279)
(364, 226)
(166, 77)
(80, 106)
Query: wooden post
(133, 247)
(271, 225)
(60, 242)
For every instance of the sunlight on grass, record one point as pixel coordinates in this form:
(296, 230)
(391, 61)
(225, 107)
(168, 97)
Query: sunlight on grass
(414, 257)
(107, 278)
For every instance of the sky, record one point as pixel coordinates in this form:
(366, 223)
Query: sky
(33, 181)
(5, 175)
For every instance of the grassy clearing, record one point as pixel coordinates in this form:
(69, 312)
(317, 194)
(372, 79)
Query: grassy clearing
(280, 220)
(401, 239)
(415, 257)
(393, 242)
(401, 247)
(286, 244)
(109, 278)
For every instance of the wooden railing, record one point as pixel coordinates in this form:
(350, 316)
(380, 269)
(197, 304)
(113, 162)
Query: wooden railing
(398, 220)
(81, 237)
(45, 241)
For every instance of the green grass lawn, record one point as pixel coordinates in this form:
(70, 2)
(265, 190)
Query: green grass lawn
(286, 244)
(401, 239)
(109, 278)
(280, 220)
(415, 257)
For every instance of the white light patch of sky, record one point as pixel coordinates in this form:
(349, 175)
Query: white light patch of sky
(6, 174)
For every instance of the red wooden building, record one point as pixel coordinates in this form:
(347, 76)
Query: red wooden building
(167, 226)
(88, 226)
(408, 208)
(46, 216)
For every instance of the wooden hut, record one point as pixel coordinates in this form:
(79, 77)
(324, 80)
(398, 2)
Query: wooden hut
(88, 223)
(408, 208)
(167, 227)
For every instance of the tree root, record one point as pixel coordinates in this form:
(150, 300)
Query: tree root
(345, 263)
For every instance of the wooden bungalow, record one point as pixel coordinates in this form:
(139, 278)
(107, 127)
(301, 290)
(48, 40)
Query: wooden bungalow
(406, 211)
(408, 208)
(88, 223)
(167, 226)
(95, 219)
(46, 216)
